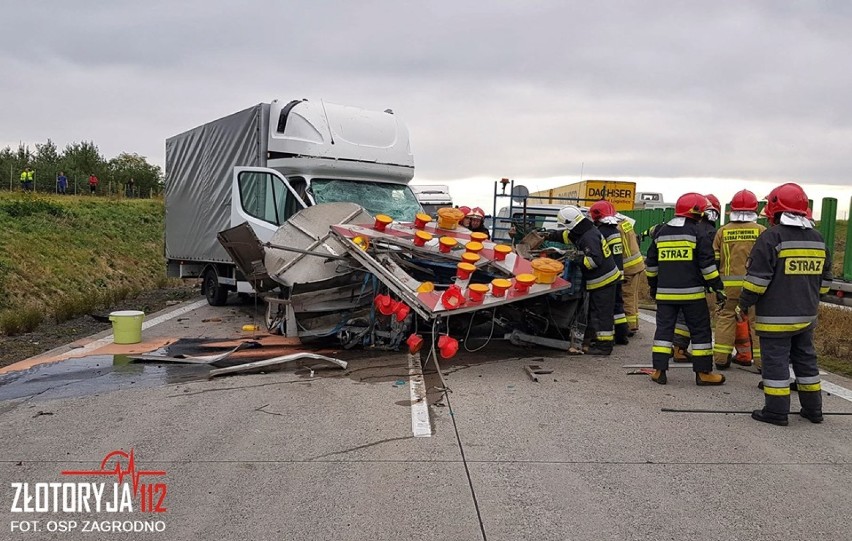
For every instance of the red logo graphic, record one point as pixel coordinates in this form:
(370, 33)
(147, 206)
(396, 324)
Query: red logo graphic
(146, 491)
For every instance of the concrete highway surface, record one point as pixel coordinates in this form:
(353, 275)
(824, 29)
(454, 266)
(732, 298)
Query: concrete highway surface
(295, 453)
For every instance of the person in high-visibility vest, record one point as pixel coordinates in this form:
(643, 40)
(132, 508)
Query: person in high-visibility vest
(731, 247)
(27, 176)
(634, 266)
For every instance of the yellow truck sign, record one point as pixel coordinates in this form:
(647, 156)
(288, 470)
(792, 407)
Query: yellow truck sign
(620, 193)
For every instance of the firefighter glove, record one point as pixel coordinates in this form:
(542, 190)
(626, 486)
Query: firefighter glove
(721, 299)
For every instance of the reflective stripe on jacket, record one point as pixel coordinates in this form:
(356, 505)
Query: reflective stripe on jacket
(634, 263)
(680, 264)
(787, 271)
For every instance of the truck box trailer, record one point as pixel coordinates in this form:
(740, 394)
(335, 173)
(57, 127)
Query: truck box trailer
(619, 193)
(263, 164)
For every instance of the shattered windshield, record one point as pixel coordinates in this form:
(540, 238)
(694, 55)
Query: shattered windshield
(395, 200)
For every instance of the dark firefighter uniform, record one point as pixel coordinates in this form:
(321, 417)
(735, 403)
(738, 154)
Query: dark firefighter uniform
(731, 248)
(682, 334)
(787, 271)
(679, 268)
(612, 237)
(634, 265)
(601, 276)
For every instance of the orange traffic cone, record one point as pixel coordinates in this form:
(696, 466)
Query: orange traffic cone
(742, 344)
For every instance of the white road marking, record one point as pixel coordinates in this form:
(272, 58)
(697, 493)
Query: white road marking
(107, 340)
(420, 425)
(646, 317)
(836, 390)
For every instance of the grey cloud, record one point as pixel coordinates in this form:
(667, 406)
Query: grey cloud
(755, 89)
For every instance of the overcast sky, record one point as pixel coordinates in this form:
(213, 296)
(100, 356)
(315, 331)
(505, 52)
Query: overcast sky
(533, 90)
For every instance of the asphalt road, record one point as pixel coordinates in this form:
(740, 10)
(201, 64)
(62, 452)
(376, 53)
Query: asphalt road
(585, 453)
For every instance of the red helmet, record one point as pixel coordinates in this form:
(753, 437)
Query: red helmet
(465, 210)
(713, 203)
(744, 200)
(601, 209)
(690, 205)
(476, 212)
(788, 197)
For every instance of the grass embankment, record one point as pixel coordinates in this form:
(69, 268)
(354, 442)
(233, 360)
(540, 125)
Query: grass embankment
(62, 257)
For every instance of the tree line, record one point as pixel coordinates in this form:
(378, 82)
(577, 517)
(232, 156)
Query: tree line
(78, 161)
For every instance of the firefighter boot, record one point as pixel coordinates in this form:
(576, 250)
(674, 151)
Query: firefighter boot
(811, 405)
(775, 409)
(621, 334)
(708, 378)
(659, 376)
(722, 363)
(600, 348)
(680, 354)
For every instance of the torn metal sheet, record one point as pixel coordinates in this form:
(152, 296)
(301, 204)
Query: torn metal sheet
(308, 233)
(247, 367)
(189, 359)
(517, 338)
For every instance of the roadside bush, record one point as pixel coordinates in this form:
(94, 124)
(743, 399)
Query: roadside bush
(22, 320)
(29, 205)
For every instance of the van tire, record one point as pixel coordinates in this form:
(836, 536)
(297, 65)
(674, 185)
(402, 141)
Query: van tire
(216, 293)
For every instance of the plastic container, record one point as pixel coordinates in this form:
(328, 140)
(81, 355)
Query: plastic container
(476, 292)
(127, 326)
(479, 236)
(546, 270)
(473, 246)
(421, 219)
(446, 244)
(382, 221)
(499, 286)
(421, 238)
(464, 270)
(449, 218)
(470, 257)
(501, 251)
(524, 281)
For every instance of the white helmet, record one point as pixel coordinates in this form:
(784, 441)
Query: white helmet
(569, 217)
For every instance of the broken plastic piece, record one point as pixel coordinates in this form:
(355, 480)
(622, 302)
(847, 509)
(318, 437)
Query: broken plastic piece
(447, 346)
(415, 343)
(452, 298)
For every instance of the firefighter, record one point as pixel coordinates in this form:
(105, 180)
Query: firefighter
(634, 266)
(602, 213)
(789, 268)
(679, 267)
(476, 221)
(731, 247)
(599, 272)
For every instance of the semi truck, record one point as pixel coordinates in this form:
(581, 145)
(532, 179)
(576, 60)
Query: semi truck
(262, 165)
(432, 197)
(620, 193)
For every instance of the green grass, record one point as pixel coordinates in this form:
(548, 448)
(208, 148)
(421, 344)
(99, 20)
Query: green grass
(65, 256)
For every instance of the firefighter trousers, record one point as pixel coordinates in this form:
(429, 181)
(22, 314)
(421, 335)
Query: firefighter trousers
(778, 354)
(601, 308)
(682, 335)
(697, 320)
(630, 294)
(726, 330)
(619, 317)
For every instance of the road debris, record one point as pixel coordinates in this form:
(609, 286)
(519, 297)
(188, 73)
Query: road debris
(248, 367)
(535, 370)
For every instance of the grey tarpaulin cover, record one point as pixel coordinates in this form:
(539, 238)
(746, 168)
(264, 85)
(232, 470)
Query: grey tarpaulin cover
(199, 169)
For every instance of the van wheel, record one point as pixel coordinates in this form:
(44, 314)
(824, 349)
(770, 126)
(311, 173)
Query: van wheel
(215, 292)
